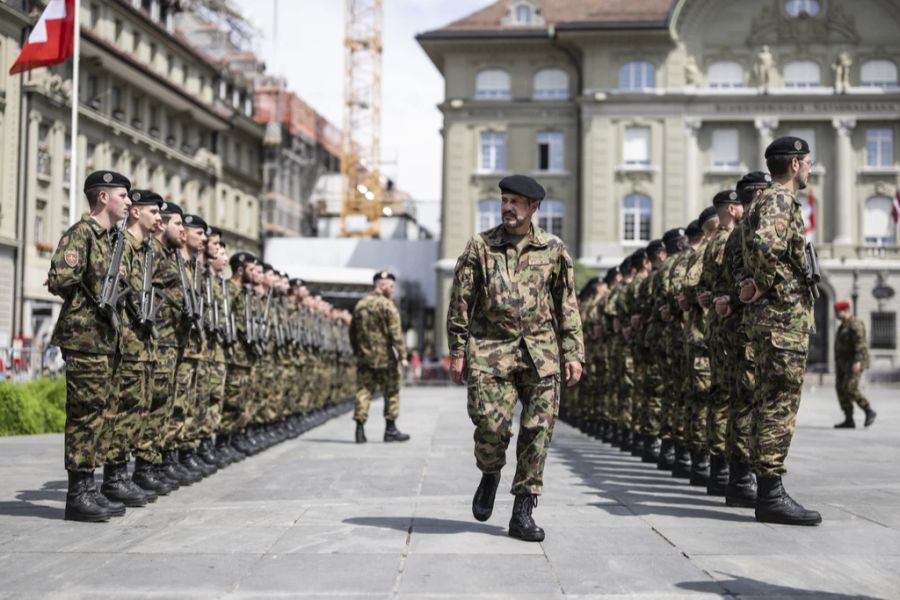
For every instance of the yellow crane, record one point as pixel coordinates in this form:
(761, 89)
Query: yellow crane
(361, 190)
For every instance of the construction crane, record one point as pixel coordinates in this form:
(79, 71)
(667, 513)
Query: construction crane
(361, 190)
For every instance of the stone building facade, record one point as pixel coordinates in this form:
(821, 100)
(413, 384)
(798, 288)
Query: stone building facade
(633, 114)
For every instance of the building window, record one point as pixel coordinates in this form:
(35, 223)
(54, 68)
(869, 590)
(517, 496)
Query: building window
(809, 135)
(117, 110)
(551, 215)
(488, 214)
(878, 73)
(551, 84)
(795, 8)
(802, 74)
(879, 228)
(95, 16)
(89, 156)
(492, 84)
(884, 331)
(725, 74)
(637, 75)
(93, 92)
(136, 113)
(524, 14)
(636, 149)
(636, 210)
(550, 151)
(135, 43)
(119, 28)
(725, 148)
(493, 151)
(880, 147)
(40, 231)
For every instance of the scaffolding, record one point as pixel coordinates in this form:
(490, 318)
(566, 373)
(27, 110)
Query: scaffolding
(361, 189)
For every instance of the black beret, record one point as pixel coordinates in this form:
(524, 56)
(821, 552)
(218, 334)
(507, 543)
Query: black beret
(610, 276)
(144, 198)
(638, 256)
(195, 221)
(267, 267)
(170, 208)
(214, 231)
(625, 265)
(296, 282)
(758, 179)
(106, 179)
(693, 229)
(522, 185)
(726, 197)
(240, 259)
(222, 243)
(383, 275)
(787, 146)
(673, 235)
(655, 246)
(708, 213)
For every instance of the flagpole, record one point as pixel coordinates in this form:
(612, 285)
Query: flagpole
(73, 144)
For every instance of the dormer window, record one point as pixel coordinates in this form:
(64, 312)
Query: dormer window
(523, 13)
(798, 8)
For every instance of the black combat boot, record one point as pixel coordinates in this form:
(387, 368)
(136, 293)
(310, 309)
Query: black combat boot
(627, 440)
(360, 433)
(650, 454)
(116, 486)
(870, 416)
(392, 434)
(847, 423)
(145, 478)
(699, 468)
(161, 474)
(666, 461)
(718, 476)
(80, 502)
(207, 453)
(637, 444)
(741, 492)
(240, 443)
(483, 501)
(173, 470)
(192, 462)
(682, 465)
(616, 438)
(522, 525)
(607, 432)
(773, 505)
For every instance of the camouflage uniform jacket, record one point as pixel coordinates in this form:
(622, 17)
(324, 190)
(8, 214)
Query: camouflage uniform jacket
(165, 277)
(238, 353)
(731, 273)
(136, 344)
(850, 344)
(376, 333)
(497, 313)
(76, 275)
(216, 337)
(628, 303)
(650, 321)
(695, 315)
(774, 257)
(193, 346)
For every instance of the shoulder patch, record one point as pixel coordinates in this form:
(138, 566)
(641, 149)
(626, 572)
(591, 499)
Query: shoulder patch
(780, 227)
(71, 258)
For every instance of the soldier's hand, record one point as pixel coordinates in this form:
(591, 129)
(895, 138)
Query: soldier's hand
(683, 302)
(635, 321)
(458, 370)
(705, 300)
(404, 363)
(749, 293)
(723, 306)
(857, 368)
(573, 373)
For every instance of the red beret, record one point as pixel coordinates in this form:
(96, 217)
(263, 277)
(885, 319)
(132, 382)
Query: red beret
(841, 305)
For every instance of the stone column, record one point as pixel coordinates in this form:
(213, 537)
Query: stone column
(692, 128)
(766, 127)
(844, 204)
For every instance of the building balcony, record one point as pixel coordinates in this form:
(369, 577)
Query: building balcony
(867, 252)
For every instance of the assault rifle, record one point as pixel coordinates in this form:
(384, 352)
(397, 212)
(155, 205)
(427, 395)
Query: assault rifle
(811, 272)
(149, 305)
(111, 289)
(230, 332)
(189, 308)
(265, 318)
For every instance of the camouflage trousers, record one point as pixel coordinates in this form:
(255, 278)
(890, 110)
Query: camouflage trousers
(847, 385)
(368, 382)
(91, 399)
(625, 392)
(123, 431)
(236, 407)
(150, 442)
(182, 411)
(720, 364)
(217, 372)
(740, 400)
(491, 404)
(697, 407)
(197, 416)
(780, 366)
(652, 386)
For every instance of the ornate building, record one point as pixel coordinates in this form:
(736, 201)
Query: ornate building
(633, 114)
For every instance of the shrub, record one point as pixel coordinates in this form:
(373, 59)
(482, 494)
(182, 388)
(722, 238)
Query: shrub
(38, 406)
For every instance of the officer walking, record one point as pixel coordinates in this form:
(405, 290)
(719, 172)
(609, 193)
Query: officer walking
(513, 311)
(377, 340)
(851, 357)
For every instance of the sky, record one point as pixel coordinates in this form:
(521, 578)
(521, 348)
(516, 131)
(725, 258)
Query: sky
(307, 49)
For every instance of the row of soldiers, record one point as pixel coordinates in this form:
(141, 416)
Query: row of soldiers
(696, 344)
(173, 363)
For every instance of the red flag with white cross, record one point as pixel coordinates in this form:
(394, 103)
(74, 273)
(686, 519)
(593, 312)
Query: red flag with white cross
(52, 39)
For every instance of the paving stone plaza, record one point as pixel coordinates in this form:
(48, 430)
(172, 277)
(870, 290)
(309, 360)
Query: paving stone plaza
(322, 517)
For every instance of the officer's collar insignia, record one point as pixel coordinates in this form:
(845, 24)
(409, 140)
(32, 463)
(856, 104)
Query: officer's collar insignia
(798, 144)
(107, 177)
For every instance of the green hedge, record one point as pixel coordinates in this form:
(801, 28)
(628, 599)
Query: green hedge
(38, 406)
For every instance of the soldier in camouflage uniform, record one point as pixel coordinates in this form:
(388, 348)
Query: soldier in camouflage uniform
(377, 339)
(89, 339)
(851, 357)
(605, 337)
(779, 318)
(512, 322)
(646, 324)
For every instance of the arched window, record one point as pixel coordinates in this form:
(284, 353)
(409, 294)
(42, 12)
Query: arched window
(795, 8)
(492, 84)
(802, 74)
(551, 216)
(524, 14)
(637, 75)
(725, 74)
(551, 84)
(878, 73)
(878, 225)
(636, 223)
(488, 214)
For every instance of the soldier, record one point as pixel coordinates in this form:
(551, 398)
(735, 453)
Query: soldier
(646, 325)
(851, 357)
(513, 320)
(779, 317)
(87, 332)
(377, 339)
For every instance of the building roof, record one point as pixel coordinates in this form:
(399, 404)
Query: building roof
(563, 14)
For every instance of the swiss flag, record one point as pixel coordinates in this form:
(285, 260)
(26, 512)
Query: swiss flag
(895, 208)
(809, 216)
(51, 40)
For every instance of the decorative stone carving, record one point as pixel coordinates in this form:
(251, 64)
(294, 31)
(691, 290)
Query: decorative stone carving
(764, 68)
(841, 68)
(692, 74)
(774, 26)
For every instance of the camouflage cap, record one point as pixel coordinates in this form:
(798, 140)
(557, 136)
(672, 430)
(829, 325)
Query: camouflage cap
(726, 197)
(787, 146)
(109, 179)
